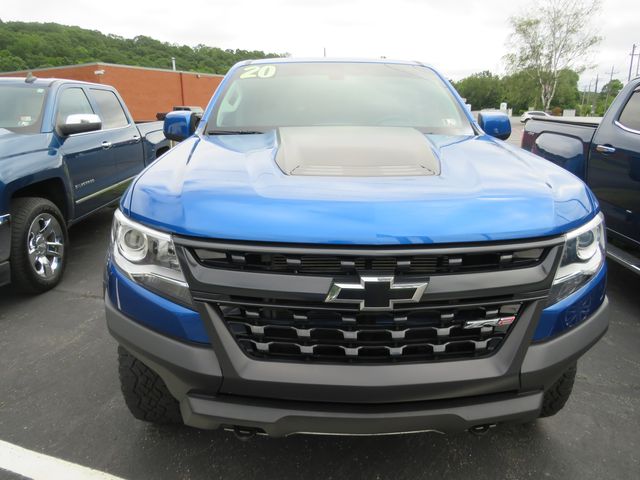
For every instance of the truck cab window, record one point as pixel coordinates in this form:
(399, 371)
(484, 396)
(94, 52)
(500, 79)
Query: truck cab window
(111, 111)
(630, 116)
(21, 108)
(72, 101)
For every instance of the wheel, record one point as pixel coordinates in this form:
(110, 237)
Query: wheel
(556, 397)
(38, 244)
(145, 394)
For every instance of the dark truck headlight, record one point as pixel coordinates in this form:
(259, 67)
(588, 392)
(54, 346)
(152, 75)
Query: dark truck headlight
(583, 256)
(148, 257)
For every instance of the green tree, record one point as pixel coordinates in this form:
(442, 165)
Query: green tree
(520, 91)
(9, 62)
(567, 94)
(607, 95)
(482, 90)
(555, 35)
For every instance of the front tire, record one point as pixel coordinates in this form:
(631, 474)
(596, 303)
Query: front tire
(556, 397)
(144, 392)
(39, 244)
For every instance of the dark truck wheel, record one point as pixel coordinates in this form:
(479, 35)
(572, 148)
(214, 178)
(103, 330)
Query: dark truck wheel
(556, 397)
(145, 394)
(38, 244)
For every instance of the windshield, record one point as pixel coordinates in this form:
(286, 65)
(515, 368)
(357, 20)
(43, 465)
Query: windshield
(21, 107)
(265, 96)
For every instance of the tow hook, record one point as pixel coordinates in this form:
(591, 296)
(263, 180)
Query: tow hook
(481, 430)
(243, 434)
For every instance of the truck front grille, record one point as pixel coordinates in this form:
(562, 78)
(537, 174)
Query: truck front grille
(345, 264)
(418, 335)
(335, 304)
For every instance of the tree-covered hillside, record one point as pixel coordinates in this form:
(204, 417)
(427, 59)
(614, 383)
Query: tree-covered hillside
(35, 45)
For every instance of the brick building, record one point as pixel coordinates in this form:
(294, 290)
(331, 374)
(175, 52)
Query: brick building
(146, 91)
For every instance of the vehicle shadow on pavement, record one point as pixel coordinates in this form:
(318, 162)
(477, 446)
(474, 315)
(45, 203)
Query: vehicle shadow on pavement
(512, 451)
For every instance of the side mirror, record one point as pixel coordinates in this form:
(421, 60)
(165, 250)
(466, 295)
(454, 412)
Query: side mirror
(181, 124)
(80, 123)
(496, 124)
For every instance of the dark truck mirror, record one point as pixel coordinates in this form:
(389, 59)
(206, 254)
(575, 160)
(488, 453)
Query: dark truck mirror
(79, 123)
(180, 124)
(496, 124)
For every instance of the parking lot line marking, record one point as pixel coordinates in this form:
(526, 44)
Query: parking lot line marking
(38, 466)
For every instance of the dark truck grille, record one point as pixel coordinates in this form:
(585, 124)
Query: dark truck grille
(277, 300)
(345, 264)
(433, 334)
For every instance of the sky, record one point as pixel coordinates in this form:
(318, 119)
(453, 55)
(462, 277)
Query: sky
(458, 37)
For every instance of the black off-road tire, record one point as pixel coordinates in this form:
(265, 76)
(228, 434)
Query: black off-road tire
(145, 394)
(23, 276)
(556, 397)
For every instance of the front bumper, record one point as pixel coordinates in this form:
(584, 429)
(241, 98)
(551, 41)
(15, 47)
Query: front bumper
(194, 375)
(5, 249)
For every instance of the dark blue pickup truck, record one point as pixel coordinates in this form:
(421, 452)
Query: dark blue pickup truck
(605, 153)
(67, 149)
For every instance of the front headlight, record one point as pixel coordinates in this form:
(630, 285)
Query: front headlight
(583, 255)
(148, 257)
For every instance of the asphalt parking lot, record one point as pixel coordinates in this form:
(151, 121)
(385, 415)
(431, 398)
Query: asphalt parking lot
(59, 395)
(516, 131)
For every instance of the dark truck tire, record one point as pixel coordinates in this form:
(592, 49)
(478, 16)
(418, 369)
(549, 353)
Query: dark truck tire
(39, 244)
(145, 394)
(556, 397)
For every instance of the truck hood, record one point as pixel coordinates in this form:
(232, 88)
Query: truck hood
(231, 187)
(12, 144)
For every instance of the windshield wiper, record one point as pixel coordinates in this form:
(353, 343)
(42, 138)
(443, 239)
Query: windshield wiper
(233, 132)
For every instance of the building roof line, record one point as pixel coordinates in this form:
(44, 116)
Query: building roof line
(117, 65)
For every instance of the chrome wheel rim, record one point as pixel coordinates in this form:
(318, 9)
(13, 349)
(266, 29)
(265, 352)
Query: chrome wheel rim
(45, 245)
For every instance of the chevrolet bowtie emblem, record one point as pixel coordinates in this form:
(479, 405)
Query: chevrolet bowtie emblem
(376, 293)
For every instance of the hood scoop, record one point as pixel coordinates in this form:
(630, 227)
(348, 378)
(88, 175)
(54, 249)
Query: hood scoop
(356, 152)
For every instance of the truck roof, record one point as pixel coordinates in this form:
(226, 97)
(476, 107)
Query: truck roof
(44, 82)
(332, 60)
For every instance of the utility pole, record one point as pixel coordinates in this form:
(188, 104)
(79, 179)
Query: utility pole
(606, 104)
(595, 90)
(633, 53)
(325, 51)
(585, 97)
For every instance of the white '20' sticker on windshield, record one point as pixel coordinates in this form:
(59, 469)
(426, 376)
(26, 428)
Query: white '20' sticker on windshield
(258, 71)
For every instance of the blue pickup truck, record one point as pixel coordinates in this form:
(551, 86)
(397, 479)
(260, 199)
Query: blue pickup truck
(338, 247)
(605, 153)
(67, 149)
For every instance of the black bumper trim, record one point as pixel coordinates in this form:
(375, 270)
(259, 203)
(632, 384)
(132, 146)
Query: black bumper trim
(5, 273)
(182, 366)
(5, 249)
(544, 362)
(5, 237)
(279, 419)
